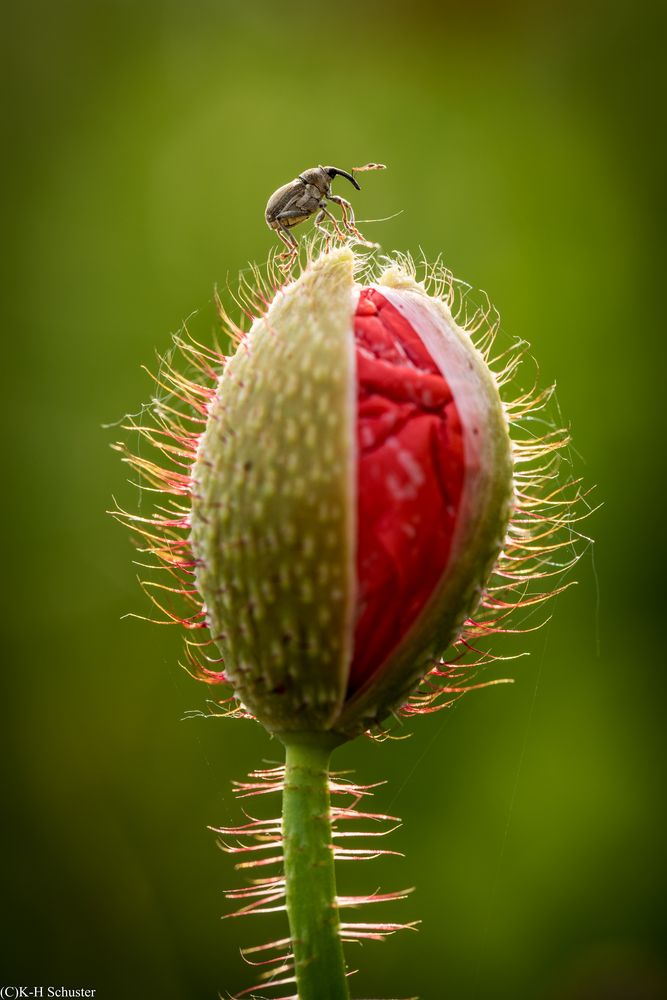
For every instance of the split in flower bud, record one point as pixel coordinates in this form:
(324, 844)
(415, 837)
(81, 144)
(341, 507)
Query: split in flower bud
(410, 473)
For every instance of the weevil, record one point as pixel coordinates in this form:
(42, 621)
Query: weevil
(307, 194)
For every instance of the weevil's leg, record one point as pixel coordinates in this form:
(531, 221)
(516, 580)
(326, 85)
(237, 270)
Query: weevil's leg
(325, 211)
(288, 238)
(346, 208)
(318, 225)
(348, 219)
(290, 242)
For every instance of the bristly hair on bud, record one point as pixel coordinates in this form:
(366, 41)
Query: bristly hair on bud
(542, 542)
(258, 844)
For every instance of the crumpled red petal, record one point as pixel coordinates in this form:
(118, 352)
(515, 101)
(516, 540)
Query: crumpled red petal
(409, 480)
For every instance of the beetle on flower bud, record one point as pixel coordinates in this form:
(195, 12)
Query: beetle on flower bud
(352, 507)
(308, 194)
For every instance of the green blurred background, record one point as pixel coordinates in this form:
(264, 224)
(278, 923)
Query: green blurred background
(524, 143)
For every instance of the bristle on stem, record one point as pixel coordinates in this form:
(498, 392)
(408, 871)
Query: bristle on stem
(308, 790)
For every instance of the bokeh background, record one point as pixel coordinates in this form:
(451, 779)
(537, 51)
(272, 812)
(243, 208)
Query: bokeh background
(524, 144)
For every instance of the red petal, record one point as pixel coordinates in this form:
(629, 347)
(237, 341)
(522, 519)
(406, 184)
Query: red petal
(410, 478)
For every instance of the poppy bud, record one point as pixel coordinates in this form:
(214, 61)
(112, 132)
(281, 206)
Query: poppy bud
(351, 494)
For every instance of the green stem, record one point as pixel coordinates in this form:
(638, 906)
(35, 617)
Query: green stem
(309, 868)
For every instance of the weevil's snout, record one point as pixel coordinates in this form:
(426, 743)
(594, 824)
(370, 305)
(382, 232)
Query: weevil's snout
(334, 171)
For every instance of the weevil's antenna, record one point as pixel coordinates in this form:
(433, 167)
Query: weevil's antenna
(369, 166)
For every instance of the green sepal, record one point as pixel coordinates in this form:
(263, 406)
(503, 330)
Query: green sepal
(273, 519)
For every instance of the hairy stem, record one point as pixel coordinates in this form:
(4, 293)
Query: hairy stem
(309, 868)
